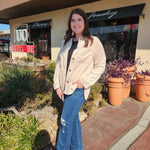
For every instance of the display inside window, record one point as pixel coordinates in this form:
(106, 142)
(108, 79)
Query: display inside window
(41, 38)
(119, 36)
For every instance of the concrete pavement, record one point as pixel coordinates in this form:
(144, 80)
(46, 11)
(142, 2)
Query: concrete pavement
(118, 127)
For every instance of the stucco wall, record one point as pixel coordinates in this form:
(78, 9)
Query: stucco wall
(143, 42)
(60, 17)
(58, 23)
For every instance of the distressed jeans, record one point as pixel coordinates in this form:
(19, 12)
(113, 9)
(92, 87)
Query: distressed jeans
(69, 136)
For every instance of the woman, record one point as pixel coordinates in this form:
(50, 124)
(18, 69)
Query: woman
(80, 63)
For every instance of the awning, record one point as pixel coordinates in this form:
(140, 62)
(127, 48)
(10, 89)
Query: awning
(36, 25)
(11, 9)
(123, 12)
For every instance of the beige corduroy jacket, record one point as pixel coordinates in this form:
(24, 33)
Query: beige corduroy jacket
(86, 64)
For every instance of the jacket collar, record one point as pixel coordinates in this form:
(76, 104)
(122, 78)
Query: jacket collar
(81, 42)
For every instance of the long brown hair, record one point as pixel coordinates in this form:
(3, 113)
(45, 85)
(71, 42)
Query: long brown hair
(86, 34)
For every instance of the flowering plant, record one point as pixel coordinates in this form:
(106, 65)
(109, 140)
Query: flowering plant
(123, 63)
(118, 69)
(144, 73)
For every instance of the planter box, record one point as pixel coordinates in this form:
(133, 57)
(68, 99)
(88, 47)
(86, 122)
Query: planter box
(37, 68)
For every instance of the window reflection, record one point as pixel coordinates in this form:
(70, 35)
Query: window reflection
(118, 36)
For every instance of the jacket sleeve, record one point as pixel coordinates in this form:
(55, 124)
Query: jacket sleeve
(99, 62)
(56, 79)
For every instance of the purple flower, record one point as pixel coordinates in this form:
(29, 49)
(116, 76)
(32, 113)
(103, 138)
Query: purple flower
(117, 69)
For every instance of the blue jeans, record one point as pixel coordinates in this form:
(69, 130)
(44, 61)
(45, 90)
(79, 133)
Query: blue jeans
(70, 130)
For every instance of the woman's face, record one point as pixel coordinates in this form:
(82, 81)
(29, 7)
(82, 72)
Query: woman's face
(77, 24)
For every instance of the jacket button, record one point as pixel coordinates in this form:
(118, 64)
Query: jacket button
(73, 58)
(67, 81)
(69, 69)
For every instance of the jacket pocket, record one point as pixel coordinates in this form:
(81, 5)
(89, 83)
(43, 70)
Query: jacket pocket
(85, 59)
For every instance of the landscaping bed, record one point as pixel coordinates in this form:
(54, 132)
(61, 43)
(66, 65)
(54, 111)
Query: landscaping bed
(22, 91)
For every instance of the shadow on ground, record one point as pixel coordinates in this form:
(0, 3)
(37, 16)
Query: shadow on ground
(43, 141)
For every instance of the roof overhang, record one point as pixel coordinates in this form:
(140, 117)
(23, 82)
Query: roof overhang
(31, 7)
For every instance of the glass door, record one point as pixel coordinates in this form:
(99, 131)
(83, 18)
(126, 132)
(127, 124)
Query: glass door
(42, 40)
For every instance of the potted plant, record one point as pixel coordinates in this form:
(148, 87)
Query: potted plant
(118, 76)
(114, 78)
(143, 85)
(129, 67)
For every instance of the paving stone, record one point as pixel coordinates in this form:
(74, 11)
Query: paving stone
(108, 124)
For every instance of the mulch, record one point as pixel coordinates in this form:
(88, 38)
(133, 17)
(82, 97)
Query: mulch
(3, 57)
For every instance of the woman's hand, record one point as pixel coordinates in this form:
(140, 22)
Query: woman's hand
(59, 93)
(79, 84)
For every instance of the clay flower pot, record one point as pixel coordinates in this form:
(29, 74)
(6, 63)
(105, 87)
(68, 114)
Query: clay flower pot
(130, 69)
(127, 86)
(126, 90)
(115, 90)
(142, 88)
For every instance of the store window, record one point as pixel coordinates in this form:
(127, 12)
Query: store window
(42, 40)
(118, 36)
(39, 33)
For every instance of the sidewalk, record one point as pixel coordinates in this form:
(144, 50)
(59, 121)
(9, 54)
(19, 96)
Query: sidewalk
(143, 142)
(117, 127)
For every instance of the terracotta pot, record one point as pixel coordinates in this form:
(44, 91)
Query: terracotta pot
(130, 69)
(115, 90)
(126, 90)
(45, 57)
(142, 88)
(127, 86)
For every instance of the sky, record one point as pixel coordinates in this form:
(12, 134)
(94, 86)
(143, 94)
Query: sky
(4, 27)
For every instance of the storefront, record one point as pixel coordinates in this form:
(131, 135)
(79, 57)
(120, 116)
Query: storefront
(117, 29)
(39, 33)
(33, 33)
(122, 26)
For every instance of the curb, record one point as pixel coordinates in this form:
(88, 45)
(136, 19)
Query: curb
(133, 134)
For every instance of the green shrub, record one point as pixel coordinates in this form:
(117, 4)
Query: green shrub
(103, 102)
(87, 107)
(16, 133)
(37, 60)
(51, 69)
(30, 58)
(56, 102)
(95, 91)
(0, 67)
(16, 58)
(39, 101)
(16, 84)
(23, 58)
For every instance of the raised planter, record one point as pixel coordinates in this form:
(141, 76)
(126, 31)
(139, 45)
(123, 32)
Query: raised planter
(38, 68)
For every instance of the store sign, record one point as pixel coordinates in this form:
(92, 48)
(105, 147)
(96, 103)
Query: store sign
(38, 24)
(21, 35)
(109, 14)
(23, 48)
(122, 12)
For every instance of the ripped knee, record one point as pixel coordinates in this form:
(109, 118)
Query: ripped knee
(63, 122)
(63, 125)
